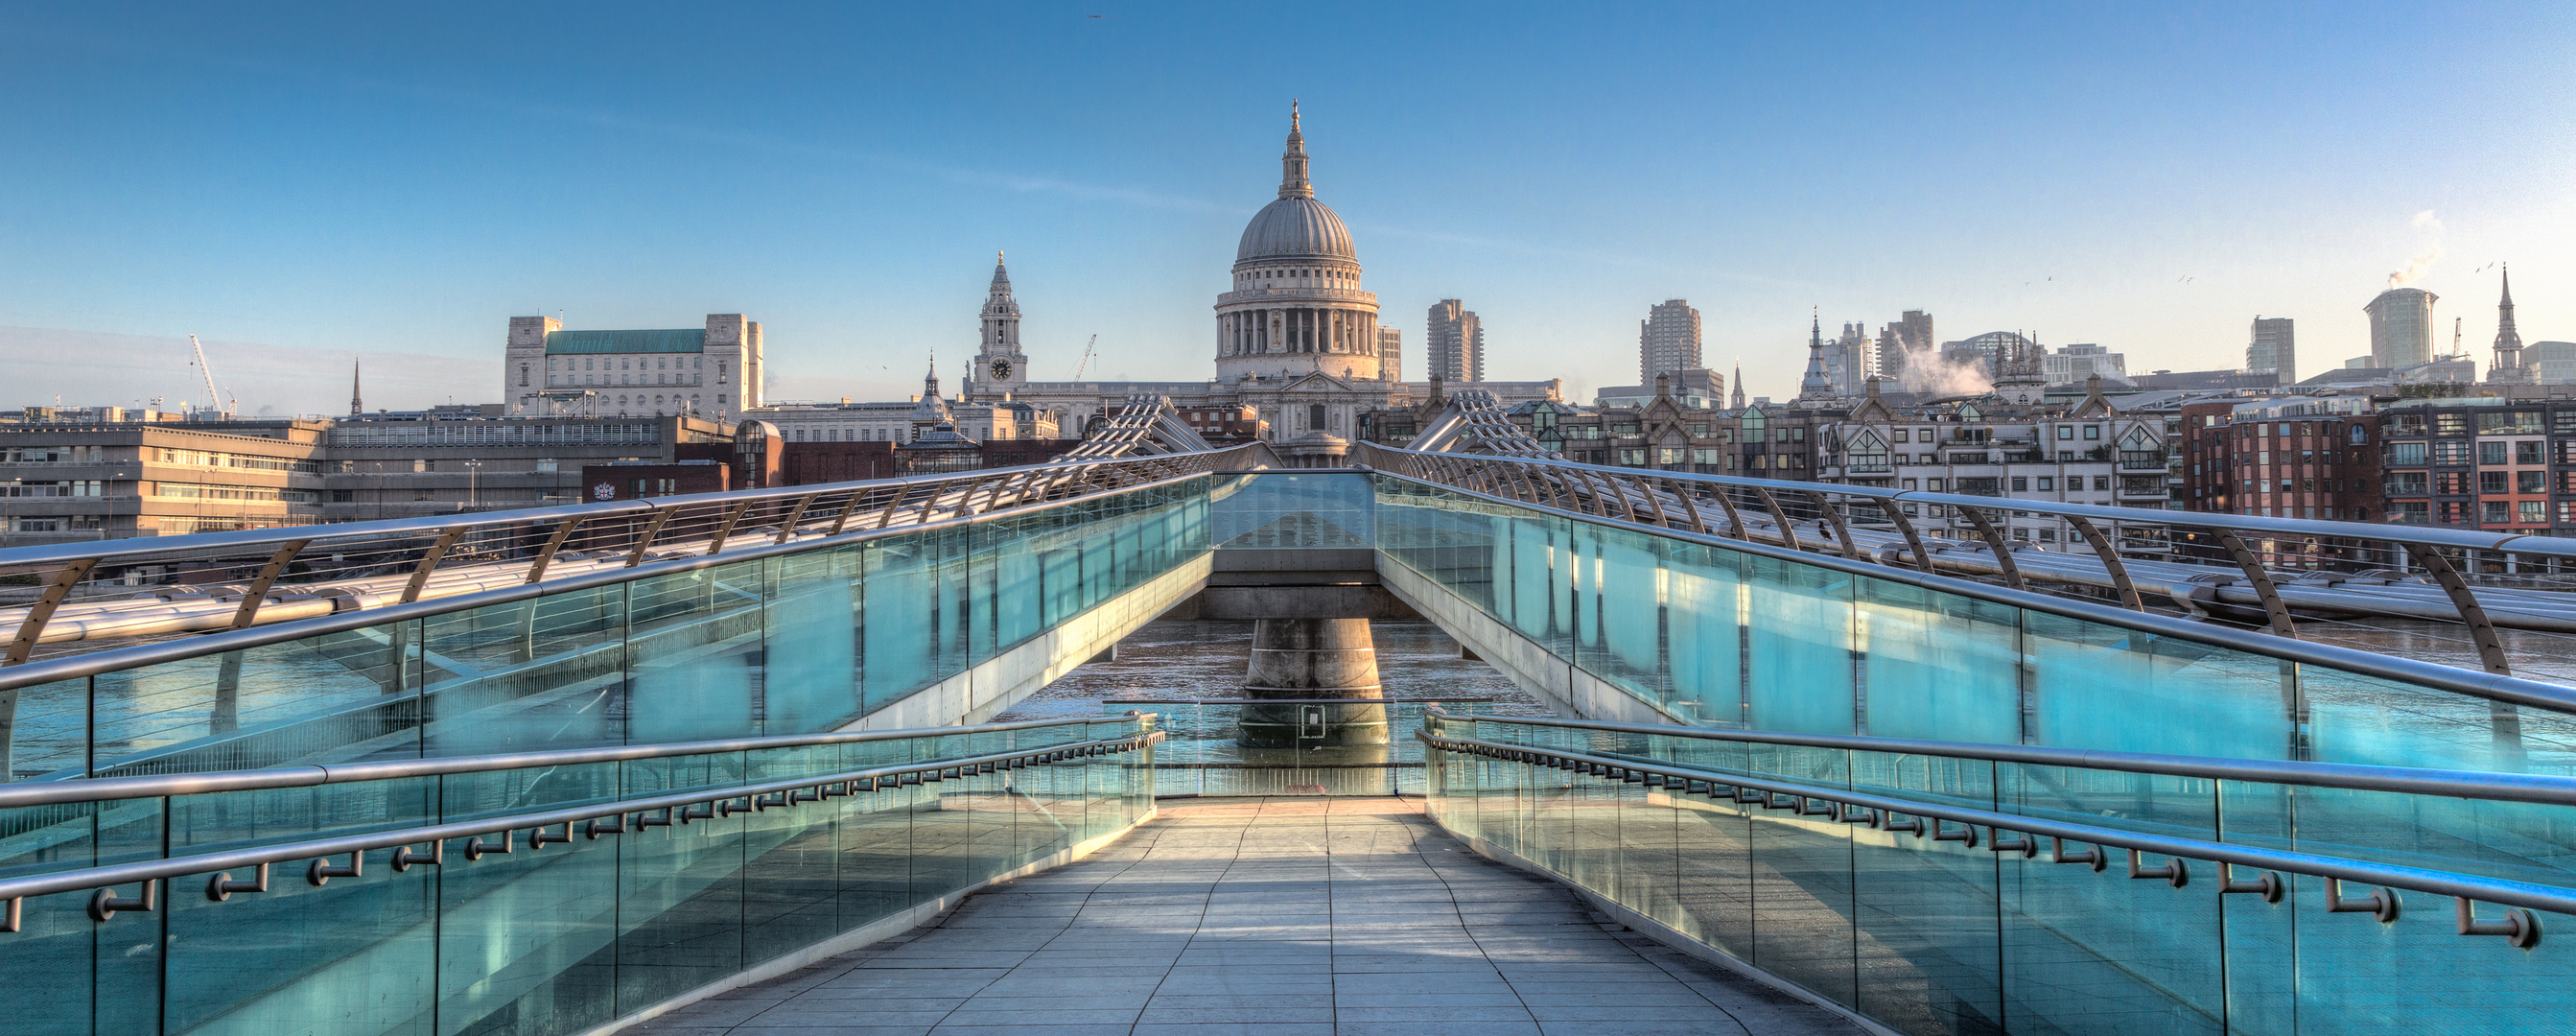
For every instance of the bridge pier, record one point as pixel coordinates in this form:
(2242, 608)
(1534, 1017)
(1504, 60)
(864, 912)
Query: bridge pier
(1305, 660)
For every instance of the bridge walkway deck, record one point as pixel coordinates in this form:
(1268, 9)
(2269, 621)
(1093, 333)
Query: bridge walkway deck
(1265, 917)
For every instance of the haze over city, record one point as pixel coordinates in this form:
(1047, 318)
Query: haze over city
(299, 184)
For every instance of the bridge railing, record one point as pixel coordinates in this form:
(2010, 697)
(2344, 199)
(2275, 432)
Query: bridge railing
(791, 630)
(536, 894)
(94, 596)
(2499, 603)
(1944, 887)
(1715, 630)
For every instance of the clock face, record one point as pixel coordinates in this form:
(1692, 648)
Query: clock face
(1001, 368)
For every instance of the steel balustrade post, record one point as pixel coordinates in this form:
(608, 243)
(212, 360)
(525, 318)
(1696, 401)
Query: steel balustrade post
(258, 590)
(1842, 532)
(2252, 566)
(1913, 538)
(1788, 533)
(2110, 562)
(1995, 544)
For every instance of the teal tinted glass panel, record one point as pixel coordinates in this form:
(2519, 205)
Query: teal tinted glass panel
(1801, 663)
(810, 658)
(694, 654)
(1940, 667)
(335, 697)
(1293, 511)
(540, 674)
(2111, 689)
(44, 730)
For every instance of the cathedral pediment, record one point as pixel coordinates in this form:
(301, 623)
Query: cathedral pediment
(1317, 381)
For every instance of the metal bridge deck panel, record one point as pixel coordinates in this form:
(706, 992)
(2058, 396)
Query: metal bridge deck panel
(1276, 917)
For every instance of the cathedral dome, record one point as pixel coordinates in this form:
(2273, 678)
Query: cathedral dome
(1295, 227)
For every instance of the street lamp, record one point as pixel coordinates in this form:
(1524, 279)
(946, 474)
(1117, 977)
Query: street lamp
(472, 468)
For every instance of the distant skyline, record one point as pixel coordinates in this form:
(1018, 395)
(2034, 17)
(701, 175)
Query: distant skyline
(298, 184)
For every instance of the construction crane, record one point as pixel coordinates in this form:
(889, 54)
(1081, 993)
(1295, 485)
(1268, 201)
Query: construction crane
(1089, 350)
(214, 400)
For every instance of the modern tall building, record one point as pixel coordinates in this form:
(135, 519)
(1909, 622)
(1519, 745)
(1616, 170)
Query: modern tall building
(1850, 360)
(2551, 363)
(2074, 363)
(2508, 367)
(1913, 332)
(2273, 349)
(2401, 328)
(1454, 345)
(1390, 353)
(1668, 340)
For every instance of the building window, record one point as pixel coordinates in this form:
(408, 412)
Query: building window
(2410, 454)
(2092, 431)
(2491, 482)
(2531, 481)
(2491, 452)
(2047, 483)
(2532, 512)
(2102, 483)
(2494, 512)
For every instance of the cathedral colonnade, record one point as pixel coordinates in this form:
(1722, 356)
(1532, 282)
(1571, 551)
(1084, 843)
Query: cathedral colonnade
(1298, 329)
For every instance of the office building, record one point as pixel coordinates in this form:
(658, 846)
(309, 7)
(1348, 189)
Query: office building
(2273, 350)
(2072, 364)
(2401, 328)
(1910, 334)
(1668, 340)
(710, 372)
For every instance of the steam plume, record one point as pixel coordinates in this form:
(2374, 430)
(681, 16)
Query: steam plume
(2421, 264)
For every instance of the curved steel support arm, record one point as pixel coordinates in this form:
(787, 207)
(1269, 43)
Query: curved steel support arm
(2110, 562)
(1994, 538)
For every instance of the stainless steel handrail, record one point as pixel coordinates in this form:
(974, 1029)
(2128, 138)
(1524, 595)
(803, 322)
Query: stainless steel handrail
(108, 788)
(91, 664)
(2463, 784)
(13, 891)
(2494, 687)
(1879, 811)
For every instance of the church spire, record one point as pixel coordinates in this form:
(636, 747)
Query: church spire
(2507, 366)
(1293, 182)
(1001, 274)
(1817, 385)
(357, 400)
(1737, 403)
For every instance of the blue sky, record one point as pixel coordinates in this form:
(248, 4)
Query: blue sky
(298, 184)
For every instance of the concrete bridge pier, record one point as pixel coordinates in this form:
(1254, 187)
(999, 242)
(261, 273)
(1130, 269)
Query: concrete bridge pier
(1312, 659)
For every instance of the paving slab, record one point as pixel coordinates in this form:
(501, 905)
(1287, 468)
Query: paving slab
(1265, 917)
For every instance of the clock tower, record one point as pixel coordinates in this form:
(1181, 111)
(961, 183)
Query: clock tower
(999, 365)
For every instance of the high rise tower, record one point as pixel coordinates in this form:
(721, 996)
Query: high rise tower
(2274, 349)
(2508, 368)
(2401, 328)
(1668, 340)
(1000, 366)
(1454, 343)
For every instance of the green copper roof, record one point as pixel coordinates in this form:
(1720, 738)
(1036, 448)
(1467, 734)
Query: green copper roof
(683, 340)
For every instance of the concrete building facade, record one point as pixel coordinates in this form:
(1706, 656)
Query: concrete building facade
(1453, 342)
(712, 372)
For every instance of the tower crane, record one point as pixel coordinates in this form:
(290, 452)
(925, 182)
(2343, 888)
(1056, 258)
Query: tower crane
(214, 400)
(1089, 350)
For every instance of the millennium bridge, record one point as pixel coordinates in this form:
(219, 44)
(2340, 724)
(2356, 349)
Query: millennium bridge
(1816, 763)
